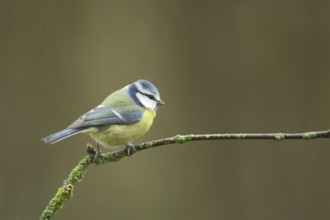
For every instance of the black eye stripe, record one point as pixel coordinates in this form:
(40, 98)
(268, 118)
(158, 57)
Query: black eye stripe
(148, 95)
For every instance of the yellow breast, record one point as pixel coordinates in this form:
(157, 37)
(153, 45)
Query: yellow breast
(115, 135)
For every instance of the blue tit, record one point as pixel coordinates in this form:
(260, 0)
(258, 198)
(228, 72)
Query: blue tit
(122, 117)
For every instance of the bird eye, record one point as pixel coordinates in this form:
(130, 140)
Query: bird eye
(149, 96)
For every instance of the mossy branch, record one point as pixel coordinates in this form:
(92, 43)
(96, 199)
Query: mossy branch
(65, 192)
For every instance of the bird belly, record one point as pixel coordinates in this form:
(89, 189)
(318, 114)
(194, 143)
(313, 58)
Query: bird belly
(116, 135)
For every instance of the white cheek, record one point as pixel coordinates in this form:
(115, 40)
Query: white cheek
(146, 101)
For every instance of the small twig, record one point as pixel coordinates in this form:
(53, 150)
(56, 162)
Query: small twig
(77, 174)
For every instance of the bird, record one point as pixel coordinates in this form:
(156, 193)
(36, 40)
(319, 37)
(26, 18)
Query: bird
(122, 117)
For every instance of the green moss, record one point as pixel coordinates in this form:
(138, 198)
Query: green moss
(64, 193)
(279, 137)
(240, 136)
(146, 145)
(309, 135)
(180, 139)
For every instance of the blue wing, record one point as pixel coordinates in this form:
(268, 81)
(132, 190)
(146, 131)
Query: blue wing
(99, 116)
(102, 115)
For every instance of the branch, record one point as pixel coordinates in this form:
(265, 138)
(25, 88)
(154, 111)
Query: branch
(77, 174)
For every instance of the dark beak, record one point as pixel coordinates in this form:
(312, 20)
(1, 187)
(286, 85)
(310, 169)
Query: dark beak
(160, 102)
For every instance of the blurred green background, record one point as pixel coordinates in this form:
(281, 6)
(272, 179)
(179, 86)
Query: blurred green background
(221, 66)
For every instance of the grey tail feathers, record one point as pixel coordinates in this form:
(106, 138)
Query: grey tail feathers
(60, 135)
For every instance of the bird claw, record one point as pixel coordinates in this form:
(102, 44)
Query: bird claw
(129, 149)
(95, 152)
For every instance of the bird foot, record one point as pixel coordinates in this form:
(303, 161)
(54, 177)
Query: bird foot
(95, 152)
(130, 150)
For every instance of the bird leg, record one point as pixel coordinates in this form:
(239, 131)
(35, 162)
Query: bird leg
(129, 149)
(96, 152)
